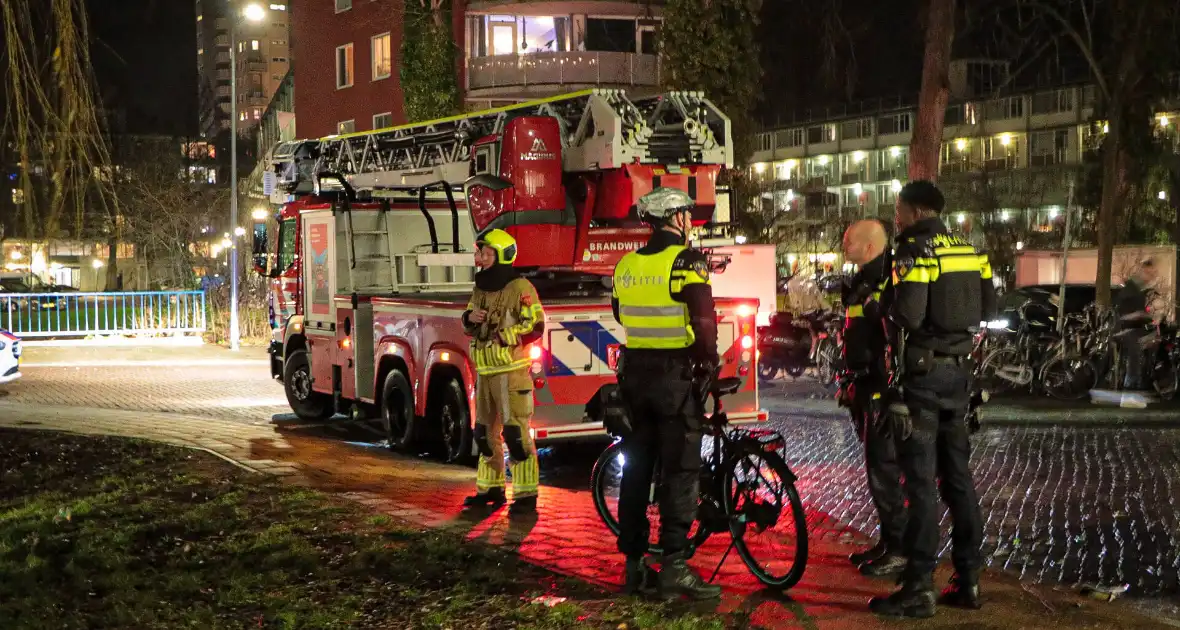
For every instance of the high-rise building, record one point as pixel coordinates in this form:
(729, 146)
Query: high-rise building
(263, 58)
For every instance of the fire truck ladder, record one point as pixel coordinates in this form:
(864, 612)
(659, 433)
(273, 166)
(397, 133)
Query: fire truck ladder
(600, 129)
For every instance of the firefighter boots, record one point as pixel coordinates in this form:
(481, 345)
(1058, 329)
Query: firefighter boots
(962, 593)
(524, 506)
(494, 497)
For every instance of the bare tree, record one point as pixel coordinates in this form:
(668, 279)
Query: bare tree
(168, 214)
(53, 118)
(1122, 42)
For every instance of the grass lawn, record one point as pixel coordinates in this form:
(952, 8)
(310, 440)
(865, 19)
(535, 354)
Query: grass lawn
(114, 533)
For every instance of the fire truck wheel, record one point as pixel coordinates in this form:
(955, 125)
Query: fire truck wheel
(397, 410)
(454, 422)
(308, 404)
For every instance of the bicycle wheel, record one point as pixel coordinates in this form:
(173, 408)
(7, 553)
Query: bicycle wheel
(989, 370)
(1165, 379)
(1068, 378)
(605, 482)
(760, 495)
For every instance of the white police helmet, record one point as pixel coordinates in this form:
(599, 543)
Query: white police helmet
(664, 203)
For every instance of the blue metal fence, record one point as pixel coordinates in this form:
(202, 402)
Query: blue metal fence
(85, 314)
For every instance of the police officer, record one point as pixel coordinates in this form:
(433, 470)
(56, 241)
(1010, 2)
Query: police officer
(865, 245)
(942, 289)
(502, 319)
(663, 300)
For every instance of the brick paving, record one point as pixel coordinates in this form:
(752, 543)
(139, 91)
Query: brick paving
(567, 536)
(1063, 505)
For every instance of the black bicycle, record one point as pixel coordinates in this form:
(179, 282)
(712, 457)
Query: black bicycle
(746, 489)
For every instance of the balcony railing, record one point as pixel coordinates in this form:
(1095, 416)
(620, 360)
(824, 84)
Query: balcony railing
(561, 68)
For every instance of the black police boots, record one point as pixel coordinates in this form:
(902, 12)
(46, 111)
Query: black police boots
(861, 557)
(963, 592)
(913, 599)
(677, 580)
(494, 497)
(888, 563)
(640, 579)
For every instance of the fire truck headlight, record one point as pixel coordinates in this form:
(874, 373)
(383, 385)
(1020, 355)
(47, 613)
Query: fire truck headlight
(745, 310)
(746, 356)
(534, 352)
(747, 342)
(446, 356)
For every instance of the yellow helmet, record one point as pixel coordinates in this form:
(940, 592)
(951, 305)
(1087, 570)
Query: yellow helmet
(500, 241)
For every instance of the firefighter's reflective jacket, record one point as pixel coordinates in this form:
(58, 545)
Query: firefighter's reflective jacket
(514, 320)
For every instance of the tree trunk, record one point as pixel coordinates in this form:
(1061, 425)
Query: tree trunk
(1114, 188)
(935, 93)
(112, 275)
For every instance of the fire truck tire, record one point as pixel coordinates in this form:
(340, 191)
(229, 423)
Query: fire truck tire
(453, 416)
(307, 404)
(397, 410)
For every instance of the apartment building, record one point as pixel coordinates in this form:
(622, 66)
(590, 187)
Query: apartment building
(509, 51)
(1014, 155)
(263, 57)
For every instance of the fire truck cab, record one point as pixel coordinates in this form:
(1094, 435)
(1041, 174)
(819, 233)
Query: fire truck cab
(370, 256)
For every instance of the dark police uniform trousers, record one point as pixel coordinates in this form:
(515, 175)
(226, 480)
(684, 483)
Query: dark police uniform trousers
(881, 464)
(667, 423)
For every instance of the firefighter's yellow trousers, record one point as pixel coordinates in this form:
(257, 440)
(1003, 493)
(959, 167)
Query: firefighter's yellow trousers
(503, 411)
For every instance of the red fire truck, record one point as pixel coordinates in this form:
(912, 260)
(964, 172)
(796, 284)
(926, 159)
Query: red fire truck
(370, 255)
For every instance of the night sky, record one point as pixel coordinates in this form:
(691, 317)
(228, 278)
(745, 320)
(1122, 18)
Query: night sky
(145, 56)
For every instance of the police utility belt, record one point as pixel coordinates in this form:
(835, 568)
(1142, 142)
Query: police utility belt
(610, 407)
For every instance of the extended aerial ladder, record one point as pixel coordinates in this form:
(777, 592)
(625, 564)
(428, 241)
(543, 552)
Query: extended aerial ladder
(600, 130)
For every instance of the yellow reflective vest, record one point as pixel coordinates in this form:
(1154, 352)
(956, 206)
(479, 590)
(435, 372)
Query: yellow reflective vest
(644, 285)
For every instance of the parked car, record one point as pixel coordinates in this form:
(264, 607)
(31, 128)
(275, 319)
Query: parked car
(9, 357)
(1044, 297)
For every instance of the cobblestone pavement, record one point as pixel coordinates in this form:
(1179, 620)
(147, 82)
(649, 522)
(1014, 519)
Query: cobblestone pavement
(567, 536)
(1065, 505)
(1062, 504)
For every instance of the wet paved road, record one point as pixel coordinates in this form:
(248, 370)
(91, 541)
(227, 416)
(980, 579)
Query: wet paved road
(1062, 504)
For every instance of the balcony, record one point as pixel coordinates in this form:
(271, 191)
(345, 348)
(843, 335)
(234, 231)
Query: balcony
(503, 74)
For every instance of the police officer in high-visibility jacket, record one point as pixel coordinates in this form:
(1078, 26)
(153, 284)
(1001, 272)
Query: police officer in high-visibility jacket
(503, 318)
(942, 290)
(866, 245)
(663, 300)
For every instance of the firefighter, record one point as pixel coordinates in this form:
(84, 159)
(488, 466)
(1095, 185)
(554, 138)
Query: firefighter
(663, 300)
(865, 245)
(502, 319)
(942, 289)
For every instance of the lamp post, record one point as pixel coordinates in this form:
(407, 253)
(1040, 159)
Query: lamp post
(252, 13)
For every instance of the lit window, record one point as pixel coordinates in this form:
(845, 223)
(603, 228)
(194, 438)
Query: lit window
(200, 17)
(253, 44)
(347, 126)
(343, 5)
(200, 51)
(282, 7)
(257, 113)
(381, 121)
(382, 61)
(344, 66)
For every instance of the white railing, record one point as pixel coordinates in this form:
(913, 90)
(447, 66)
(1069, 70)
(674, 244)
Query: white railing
(87, 314)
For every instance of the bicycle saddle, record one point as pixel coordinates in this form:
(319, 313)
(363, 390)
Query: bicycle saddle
(727, 386)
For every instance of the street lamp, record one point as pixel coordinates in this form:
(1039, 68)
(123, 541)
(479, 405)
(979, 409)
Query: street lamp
(251, 13)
